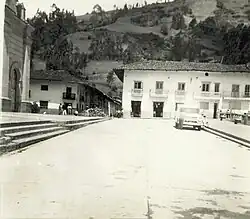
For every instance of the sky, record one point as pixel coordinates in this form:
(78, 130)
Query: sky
(80, 7)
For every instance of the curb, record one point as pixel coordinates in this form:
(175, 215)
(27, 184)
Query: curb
(227, 136)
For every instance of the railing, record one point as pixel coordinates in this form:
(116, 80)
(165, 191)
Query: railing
(158, 93)
(137, 92)
(236, 94)
(69, 96)
(180, 93)
(210, 94)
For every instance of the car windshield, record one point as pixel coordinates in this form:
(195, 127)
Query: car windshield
(189, 110)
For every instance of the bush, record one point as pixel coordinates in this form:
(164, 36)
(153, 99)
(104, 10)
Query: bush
(35, 108)
(164, 29)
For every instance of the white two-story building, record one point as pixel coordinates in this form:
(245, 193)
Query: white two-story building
(157, 88)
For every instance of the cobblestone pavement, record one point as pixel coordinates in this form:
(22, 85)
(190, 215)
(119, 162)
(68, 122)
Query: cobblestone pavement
(111, 169)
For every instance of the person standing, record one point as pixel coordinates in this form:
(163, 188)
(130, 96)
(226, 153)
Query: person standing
(64, 109)
(60, 109)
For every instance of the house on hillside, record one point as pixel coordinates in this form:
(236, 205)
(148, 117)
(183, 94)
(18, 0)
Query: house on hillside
(16, 59)
(50, 88)
(157, 88)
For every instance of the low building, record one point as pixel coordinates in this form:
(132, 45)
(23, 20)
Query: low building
(157, 88)
(16, 59)
(50, 88)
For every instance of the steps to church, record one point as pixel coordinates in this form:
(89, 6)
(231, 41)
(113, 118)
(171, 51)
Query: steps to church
(18, 135)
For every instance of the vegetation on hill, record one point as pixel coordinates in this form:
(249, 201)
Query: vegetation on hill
(203, 31)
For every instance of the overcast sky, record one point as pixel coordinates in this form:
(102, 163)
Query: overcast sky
(79, 6)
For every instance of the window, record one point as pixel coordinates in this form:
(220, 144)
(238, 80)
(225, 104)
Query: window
(44, 87)
(68, 90)
(43, 104)
(137, 85)
(181, 86)
(247, 90)
(204, 105)
(29, 93)
(159, 85)
(217, 87)
(205, 87)
(235, 90)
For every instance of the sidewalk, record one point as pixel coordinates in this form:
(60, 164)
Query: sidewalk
(237, 131)
(10, 117)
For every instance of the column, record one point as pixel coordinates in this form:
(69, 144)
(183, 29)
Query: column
(25, 106)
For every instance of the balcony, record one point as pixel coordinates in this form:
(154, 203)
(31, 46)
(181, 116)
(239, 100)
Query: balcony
(236, 95)
(137, 92)
(158, 93)
(69, 96)
(180, 95)
(207, 95)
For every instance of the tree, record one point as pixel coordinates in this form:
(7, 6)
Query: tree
(192, 23)
(164, 29)
(110, 78)
(237, 45)
(178, 21)
(125, 7)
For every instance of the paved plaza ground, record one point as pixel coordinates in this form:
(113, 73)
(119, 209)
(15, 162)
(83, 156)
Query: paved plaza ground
(110, 170)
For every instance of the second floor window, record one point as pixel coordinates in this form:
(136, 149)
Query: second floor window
(159, 85)
(69, 90)
(181, 86)
(205, 87)
(247, 90)
(217, 87)
(137, 85)
(44, 87)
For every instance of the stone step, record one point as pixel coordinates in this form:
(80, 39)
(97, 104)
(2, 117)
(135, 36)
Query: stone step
(8, 130)
(83, 124)
(24, 134)
(22, 123)
(24, 142)
(81, 121)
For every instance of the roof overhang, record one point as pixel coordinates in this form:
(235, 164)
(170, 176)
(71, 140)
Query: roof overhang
(119, 73)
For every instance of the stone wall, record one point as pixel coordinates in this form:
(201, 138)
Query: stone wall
(17, 48)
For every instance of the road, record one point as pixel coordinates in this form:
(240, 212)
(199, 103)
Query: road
(110, 170)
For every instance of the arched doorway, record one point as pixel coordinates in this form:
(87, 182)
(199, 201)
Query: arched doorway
(15, 92)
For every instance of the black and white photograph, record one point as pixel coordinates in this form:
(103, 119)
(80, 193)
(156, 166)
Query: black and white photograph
(130, 109)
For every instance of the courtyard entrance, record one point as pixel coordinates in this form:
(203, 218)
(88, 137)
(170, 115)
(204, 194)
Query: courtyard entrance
(136, 108)
(158, 109)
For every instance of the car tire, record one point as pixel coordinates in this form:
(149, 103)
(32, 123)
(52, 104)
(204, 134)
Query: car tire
(176, 125)
(199, 128)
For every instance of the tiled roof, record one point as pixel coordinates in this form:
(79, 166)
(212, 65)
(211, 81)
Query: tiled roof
(61, 75)
(53, 75)
(175, 66)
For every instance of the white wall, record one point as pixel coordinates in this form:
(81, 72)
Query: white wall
(54, 95)
(193, 80)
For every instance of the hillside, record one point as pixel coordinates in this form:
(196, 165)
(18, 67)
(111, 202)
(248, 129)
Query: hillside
(179, 30)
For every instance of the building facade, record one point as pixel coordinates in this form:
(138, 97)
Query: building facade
(156, 89)
(50, 88)
(16, 59)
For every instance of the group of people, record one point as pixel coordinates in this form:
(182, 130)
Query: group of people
(65, 109)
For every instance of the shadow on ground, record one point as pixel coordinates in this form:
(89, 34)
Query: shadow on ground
(200, 213)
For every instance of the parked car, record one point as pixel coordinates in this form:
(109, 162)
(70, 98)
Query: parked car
(188, 116)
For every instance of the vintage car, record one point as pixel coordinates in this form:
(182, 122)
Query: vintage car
(188, 116)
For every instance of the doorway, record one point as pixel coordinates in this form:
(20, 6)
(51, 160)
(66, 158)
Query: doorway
(136, 108)
(158, 109)
(15, 90)
(215, 110)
